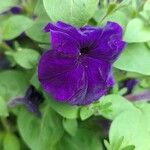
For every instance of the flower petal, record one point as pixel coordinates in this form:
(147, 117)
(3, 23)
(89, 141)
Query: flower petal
(63, 43)
(89, 36)
(98, 73)
(52, 64)
(62, 77)
(78, 69)
(109, 45)
(63, 27)
(64, 87)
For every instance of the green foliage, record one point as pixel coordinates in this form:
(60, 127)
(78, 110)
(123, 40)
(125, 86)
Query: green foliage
(26, 58)
(7, 4)
(109, 107)
(85, 112)
(125, 124)
(117, 16)
(40, 11)
(118, 104)
(40, 133)
(137, 31)
(34, 80)
(10, 141)
(3, 108)
(70, 125)
(65, 110)
(76, 12)
(118, 145)
(140, 55)
(12, 84)
(133, 125)
(84, 139)
(36, 32)
(14, 26)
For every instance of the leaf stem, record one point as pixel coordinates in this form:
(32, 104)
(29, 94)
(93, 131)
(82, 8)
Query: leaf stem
(5, 124)
(140, 96)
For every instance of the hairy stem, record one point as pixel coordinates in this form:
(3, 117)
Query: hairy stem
(140, 96)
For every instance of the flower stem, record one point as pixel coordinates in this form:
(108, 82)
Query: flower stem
(140, 96)
(5, 124)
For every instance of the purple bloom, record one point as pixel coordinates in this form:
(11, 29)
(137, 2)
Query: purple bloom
(16, 10)
(78, 68)
(4, 63)
(129, 84)
(31, 100)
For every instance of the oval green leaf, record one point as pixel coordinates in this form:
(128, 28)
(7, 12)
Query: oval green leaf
(134, 126)
(137, 31)
(26, 58)
(65, 110)
(14, 26)
(135, 58)
(40, 133)
(76, 12)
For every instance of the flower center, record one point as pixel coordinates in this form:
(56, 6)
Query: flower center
(84, 50)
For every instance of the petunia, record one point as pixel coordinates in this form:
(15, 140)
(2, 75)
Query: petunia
(31, 101)
(16, 10)
(130, 84)
(78, 68)
(4, 63)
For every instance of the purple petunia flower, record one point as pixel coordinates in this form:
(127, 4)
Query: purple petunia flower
(129, 84)
(4, 63)
(16, 10)
(31, 100)
(78, 68)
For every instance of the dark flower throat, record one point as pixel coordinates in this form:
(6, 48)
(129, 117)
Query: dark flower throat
(84, 50)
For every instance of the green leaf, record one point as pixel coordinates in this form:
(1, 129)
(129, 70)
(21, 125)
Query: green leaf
(134, 126)
(44, 47)
(118, 105)
(40, 133)
(26, 58)
(107, 145)
(85, 113)
(111, 7)
(1, 139)
(70, 125)
(118, 144)
(136, 4)
(109, 107)
(145, 14)
(84, 139)
(130, 147)
(3, 108)
(65, 110)
(76, 12)
(35, 81)
(137, 31)
(39, 11)
(117, 16)
(14, 26)
(7, 4)
(140, 61)
(147, 6)
(36, 32)
(11, 142)
(12, 84)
